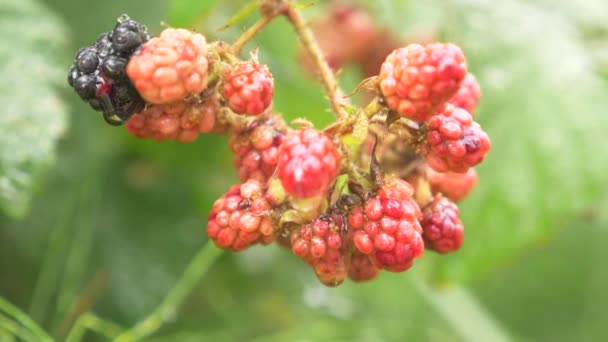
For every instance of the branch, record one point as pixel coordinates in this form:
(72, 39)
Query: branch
(312, 46)
(249, 34)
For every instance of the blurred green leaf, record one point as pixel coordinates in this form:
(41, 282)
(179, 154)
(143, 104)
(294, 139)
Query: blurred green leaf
(33, 39)
(184, 13)
(544, 109)
(561, 284)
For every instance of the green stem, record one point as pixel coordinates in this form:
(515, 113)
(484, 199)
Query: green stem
(184, 286)
(249, 34)
(94, 323)
(76, 265)
(12, 329)
(52, 263)
(25, 320)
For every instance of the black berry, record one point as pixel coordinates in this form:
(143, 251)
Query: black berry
(98, 75)
(128, 36)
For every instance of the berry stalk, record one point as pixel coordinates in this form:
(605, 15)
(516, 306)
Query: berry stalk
(250, 33)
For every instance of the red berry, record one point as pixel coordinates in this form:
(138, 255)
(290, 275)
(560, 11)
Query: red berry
(468, 94)
(256, 148)
(308, 163)
(240, 219)
(453, 185)
(417, 80)
(454, 142)
(248, 88)
(170, 67)
(443, 231)
(345, 35)
(178, 121)
(386, 227)
(321, 244)
(362, 268)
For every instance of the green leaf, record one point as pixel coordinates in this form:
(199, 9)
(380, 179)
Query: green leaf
(34, 117)
(542, 105)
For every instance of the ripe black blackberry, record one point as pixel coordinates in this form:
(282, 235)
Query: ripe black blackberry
(98, 75)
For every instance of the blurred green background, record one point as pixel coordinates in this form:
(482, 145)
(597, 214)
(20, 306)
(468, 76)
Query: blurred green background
(95, 220)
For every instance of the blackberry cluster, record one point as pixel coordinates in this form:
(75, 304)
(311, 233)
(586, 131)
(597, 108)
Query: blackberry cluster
(348, 205)
(98, 75)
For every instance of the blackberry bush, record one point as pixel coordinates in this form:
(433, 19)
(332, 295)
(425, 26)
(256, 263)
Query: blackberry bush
(346, 198)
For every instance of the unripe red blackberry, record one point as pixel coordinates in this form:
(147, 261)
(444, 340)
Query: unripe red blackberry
(240, 219)
(322, 245)
(309, 162)
(256, 148)
(468, 94)
(442, 230)
(416, 80)
(386, 227)
(454, 142)
(170, 67)
(362, 268)
(248, 88)
(453, 185)
(180, 121)
(345, 35)
(98, 75)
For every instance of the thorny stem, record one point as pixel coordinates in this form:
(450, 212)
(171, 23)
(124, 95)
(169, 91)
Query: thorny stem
(312, 46)
(373, 108)
(250, 33)
(176, 296)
